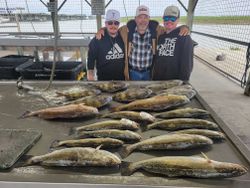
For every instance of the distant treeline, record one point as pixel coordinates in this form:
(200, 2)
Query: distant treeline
(233, 20)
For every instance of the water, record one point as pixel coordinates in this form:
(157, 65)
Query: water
(236, 32)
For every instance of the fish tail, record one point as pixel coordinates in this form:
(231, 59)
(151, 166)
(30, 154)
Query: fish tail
(115, 109)
(26, 114)
(27, 160)
(143, 127)
(82, 134)
(147, 127)
(54, 144)
(126, 151)
(99, 116)
(59, 93)
(127, 168)
(72, 131)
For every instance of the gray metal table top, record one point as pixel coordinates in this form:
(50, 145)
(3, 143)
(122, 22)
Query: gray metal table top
(13, 104)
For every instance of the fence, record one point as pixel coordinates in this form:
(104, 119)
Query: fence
(221, 28)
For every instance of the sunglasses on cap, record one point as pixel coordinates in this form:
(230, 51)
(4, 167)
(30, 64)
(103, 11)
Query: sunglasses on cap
(169, 18)
(113, 22)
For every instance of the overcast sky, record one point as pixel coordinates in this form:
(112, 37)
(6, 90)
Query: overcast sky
(204, 7)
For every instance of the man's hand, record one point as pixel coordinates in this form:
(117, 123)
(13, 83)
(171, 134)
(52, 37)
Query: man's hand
(90, 75)
(100, 33)
(184, 30)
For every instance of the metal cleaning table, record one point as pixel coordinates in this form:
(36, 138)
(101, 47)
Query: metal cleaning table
(13, 104)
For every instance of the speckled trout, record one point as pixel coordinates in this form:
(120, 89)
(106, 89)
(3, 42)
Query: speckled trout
(156, 103)
(181, 166)
(98, 101)
(123, 124)
(132, 94)
(182, 123)
(168, 142)
(214, 135)
(76, 156)
(124, 135)
(88, 142)
(183, 113)
(164, 85)
(132, 115)
(76, 93)
(111, 87)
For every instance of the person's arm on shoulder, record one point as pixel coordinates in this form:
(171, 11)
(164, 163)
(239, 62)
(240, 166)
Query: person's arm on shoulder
(92, 56)
(100, 33)
(186, 64)
(184, 30)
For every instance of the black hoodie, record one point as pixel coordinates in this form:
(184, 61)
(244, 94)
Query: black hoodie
(108, 53)
(174, 57)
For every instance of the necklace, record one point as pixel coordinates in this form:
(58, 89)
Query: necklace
(111, 40)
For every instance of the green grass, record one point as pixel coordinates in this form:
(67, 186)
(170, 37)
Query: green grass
(233, 20)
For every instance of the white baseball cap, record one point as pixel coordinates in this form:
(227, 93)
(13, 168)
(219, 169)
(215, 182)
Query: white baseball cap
(142, 9)
(112, 15)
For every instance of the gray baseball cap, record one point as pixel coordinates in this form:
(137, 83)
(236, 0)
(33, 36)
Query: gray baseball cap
(112, 15)
(172, 11)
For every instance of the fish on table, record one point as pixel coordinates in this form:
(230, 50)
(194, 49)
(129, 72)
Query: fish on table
(76, 156)
(76, 93)
(182, 123)
(132, 94)
(88, 142)
(111, 87)
(164, 85)
(132, 115)
(183, 113)
(214, 135)
(63, 112)
(185, 89)
(124, 135)
(98, 101)
(157, 103)
(182, 166)
(168, 142)
(123, 124)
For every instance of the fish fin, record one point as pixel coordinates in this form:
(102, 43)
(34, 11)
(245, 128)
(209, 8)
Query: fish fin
(72, 131)
(205, 156)
(125, 151)
(54, 144)
(59, 93)
(19, 82)
(126, 169)
(25, 114)
(114, 109)
(25, 160)
(99, 116)
(152, 136)
(81, 134)
(143, 128)
(99, 147)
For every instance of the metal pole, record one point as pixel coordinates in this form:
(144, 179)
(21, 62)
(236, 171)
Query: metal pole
(99, 21)
(54, 15)
(190, 13)
(247, 89)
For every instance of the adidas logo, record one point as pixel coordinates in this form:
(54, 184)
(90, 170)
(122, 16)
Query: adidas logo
(115, 53)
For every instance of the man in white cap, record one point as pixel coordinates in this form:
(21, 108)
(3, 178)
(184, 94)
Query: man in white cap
(174, 55)
(107, 54)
